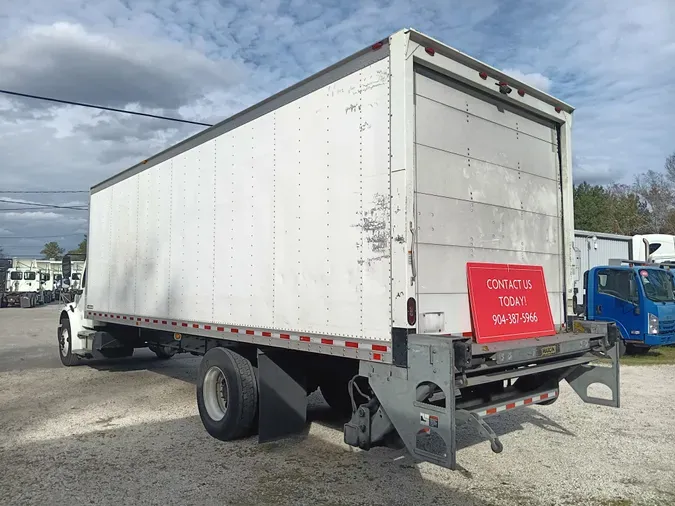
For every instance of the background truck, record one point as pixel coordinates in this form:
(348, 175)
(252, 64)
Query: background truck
(321, 239)
(5, 265)
(23, 287)
(636, 296)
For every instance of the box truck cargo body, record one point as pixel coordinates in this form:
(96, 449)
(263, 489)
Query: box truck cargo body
(329, 228)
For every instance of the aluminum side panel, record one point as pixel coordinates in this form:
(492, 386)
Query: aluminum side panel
(457, 132)
(482, 225)
(443, 268)
(477, 106)
(282, 223)
(99, 245)
(121, 257)
(459, 177)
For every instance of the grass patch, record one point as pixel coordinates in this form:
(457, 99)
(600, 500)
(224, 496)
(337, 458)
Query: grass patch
(655, 356)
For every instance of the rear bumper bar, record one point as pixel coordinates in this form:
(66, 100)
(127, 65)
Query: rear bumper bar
(470, 383)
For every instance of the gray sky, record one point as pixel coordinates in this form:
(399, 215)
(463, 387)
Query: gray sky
(205, 60)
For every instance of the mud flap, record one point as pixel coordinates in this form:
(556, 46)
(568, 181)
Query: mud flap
(282, 395)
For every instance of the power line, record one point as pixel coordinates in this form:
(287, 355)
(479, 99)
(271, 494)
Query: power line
(91, 106)
(77, 208)
(46, 191)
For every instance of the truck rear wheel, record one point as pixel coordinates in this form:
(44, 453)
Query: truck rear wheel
(66, 344)
(227, 394)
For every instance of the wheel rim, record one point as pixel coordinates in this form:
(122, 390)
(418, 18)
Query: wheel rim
(215, 393)
(65, 342)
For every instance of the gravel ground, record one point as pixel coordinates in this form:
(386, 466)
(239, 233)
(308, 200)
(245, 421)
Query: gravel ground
(128, 432)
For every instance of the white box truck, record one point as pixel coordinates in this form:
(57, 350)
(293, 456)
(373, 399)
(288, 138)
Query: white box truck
(319, 239)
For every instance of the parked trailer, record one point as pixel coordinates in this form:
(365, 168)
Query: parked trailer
(320, 239)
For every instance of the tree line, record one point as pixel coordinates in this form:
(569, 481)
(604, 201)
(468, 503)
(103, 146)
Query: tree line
(645, 206)
(53, 251)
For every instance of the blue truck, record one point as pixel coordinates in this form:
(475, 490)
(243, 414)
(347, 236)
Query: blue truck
(639, 297)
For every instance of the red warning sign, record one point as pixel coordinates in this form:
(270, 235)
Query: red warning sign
(508, 302)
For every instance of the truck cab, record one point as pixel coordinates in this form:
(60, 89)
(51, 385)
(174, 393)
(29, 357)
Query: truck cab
(47, 284)
(638, 297)
(23, 287)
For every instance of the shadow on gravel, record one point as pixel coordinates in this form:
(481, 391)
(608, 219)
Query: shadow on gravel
(176, 462)
(184, 368)
(35, 357)
(181, 367)
(510, 422)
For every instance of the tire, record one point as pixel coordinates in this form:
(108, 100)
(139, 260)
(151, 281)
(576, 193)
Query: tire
(65, 341)
(162, 352)
(227, 394)
(622, 347)
(637, 350)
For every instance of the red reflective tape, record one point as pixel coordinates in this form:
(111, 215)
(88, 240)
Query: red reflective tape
(377, 356)
(155, 321)
(326, 341)
(351, 344)
(220, 329)
(163, 322)
(184, 324)
(543, 397)
(467, 334)
(138, 319)
(267, 334)
(305, 339)
(106, 315)
(234, 331)
(124, 317)
(491, 411)
(250, 332)
(511, 405)
(379, 347)
(527, 401)
(195, 325)
(174, 323)
(147, 319)
(207, 327)
(284, 336)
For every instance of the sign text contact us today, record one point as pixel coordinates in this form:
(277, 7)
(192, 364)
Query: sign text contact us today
(508, 302)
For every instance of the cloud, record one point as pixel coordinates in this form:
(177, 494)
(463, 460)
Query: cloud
(535, 79)
(65, 60)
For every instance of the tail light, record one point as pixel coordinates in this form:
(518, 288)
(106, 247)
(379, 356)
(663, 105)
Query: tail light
(412, 311)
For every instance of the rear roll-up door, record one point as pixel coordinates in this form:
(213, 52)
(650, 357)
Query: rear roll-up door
(487, 190)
